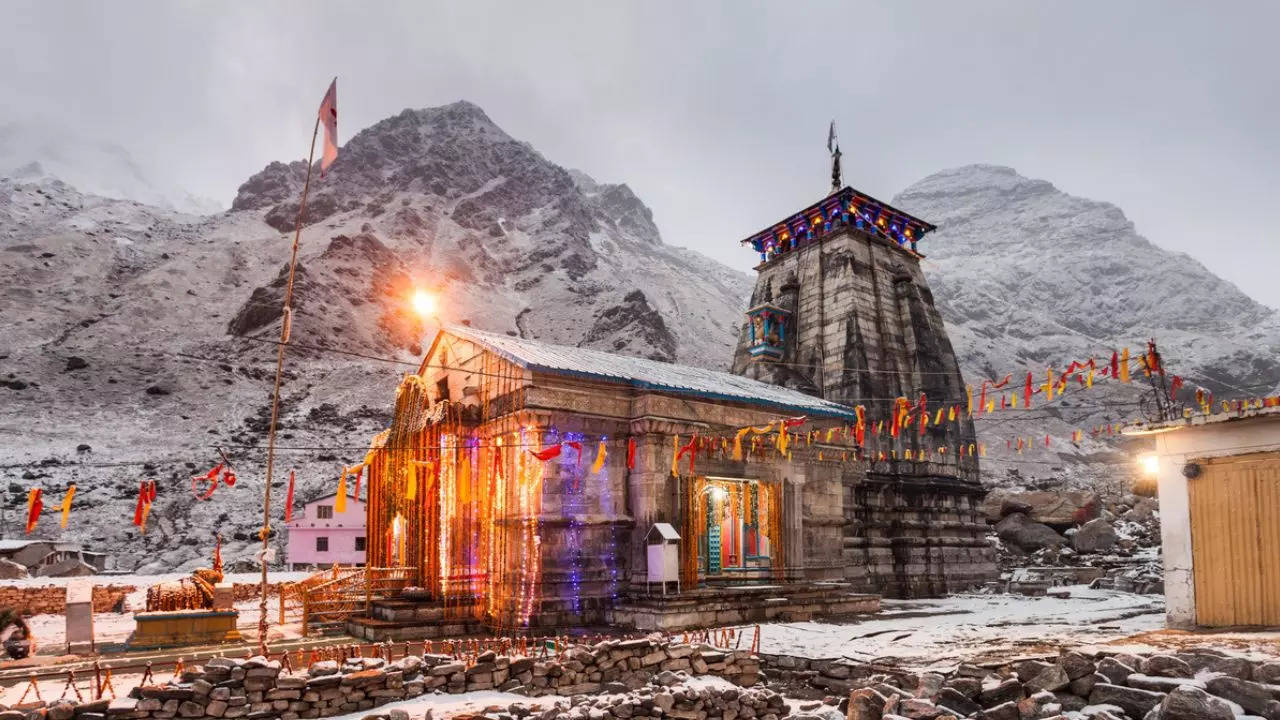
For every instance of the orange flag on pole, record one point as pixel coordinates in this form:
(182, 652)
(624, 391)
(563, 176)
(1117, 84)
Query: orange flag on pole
(329, 118)
(66, 504)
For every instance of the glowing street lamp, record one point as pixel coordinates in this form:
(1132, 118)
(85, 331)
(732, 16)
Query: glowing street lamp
(424, 303)
(1149, 464)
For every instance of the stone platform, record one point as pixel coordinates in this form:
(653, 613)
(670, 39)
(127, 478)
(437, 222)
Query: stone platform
(739, 604)
(184, 627)
(403, 619)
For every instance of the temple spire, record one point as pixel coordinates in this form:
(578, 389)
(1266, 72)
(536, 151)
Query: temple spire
(833, 147)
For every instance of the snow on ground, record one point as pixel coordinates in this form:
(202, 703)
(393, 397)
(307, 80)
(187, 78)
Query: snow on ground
(443, 706)
(945, 631)
(50, 630)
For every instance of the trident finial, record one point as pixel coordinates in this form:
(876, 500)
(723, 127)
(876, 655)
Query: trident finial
(833, 147)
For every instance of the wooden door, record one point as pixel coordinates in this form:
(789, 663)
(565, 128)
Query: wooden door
(1235, 540)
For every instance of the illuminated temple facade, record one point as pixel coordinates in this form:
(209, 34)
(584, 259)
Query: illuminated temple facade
(519, 480)
(841, 310)
(491, 486)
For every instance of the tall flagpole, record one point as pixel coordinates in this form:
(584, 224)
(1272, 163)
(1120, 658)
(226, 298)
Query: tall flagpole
(286, 320)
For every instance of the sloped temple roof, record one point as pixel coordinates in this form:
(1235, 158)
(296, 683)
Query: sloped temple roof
(646, 374)
(890, 221)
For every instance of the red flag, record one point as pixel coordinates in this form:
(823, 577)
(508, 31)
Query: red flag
(229, 477)
(1026, 398)
(151, 494)
(143, 494)
(329, 118)
(288, 500)
(1115, 365)
(34, 508)
(631, 453)
(691, 448)
(546, 454)
(576, 446)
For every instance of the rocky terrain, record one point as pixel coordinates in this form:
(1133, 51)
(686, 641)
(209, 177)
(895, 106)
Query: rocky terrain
(657, 677)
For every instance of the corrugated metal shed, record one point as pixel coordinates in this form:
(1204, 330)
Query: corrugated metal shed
(647, 374)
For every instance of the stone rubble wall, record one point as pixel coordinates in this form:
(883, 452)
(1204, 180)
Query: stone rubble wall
(52, 599)
(257, 688)
(674, 700)
(1202, 684)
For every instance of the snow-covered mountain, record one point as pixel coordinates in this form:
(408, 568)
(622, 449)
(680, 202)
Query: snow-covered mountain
(138, 339)
(1027, 276)
(31, 152)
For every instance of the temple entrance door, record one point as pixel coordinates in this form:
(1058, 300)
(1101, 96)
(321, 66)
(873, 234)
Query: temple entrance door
(713, 538)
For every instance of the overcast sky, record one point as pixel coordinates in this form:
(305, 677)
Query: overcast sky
(714, 113)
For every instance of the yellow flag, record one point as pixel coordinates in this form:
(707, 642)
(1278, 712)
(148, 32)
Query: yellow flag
(675, 450)
(340, 502)
(598, 465)
(737, 442)
(938, 420)
(66, 504)
(1124, 365)
(411, 486)
(968, 391)
(951, 416)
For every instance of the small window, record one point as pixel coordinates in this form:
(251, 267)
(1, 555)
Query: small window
(322, 544)
(324, 512)
(359, 544)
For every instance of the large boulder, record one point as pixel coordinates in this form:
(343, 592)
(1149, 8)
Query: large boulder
(1060, 510)
(10, 570)
(1095, 536)
(1027, 535)
(1136, 703)
(1192, 703)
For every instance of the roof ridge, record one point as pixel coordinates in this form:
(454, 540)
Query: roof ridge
(645, 372)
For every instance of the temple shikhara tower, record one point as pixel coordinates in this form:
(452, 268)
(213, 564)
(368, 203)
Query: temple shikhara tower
(841, 310)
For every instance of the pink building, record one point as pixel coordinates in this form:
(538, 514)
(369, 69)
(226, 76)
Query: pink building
(321, 536)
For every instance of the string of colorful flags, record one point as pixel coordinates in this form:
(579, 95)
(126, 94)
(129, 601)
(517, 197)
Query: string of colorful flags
(840, 443)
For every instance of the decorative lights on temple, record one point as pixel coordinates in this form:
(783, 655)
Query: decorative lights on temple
(767, 323)
(848, 207)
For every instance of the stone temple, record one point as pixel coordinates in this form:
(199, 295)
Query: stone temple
(522, 484)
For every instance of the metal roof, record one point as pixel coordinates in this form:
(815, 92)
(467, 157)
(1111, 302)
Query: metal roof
(646, 374)
(1200, 420)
